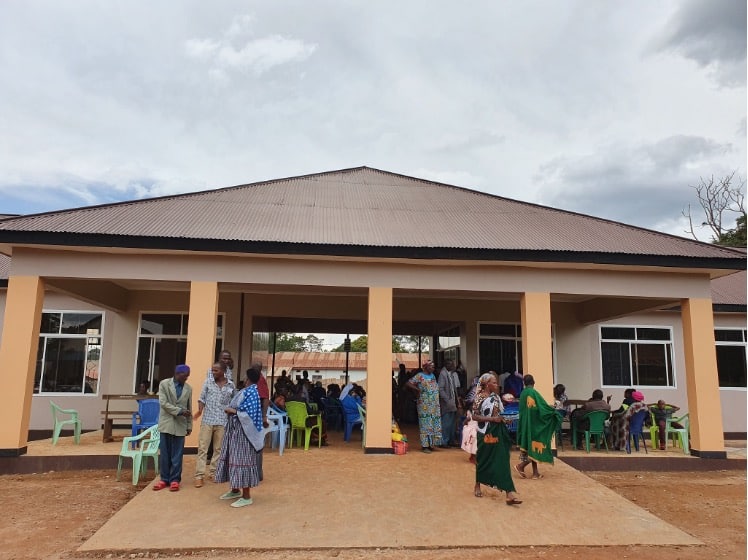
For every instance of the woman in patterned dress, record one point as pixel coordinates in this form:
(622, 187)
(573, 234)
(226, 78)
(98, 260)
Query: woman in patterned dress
(494, 442)
(424, 385)
(243, 439)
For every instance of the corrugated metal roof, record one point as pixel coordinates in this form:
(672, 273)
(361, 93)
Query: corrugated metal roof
(312, 361)
(730, 290)
(360, 207)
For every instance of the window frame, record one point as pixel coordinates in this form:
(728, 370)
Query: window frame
(744, 344)
(45, 336)
(669, 344)
(182, 336)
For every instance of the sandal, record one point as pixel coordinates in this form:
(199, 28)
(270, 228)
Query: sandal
(513, 502)
(537, 476)
(478, 493)
(160, 485)
(426, 450)
(174, 487)
(520, 471)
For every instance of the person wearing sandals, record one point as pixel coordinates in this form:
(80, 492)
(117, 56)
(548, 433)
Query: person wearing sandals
(174, 423)
(243, 439)
(538, 422)
(426, 389)
(494, 442)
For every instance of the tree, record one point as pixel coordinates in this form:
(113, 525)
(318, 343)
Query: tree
(286, 342)
(313, 344)
(718, 199)
(399, 344)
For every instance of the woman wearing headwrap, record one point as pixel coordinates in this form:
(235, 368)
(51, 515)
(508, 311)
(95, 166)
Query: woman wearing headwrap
(620, 423)
(243, 439)
(424, 385)
(494, 442)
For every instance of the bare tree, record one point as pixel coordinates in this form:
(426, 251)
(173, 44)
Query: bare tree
(719, 199)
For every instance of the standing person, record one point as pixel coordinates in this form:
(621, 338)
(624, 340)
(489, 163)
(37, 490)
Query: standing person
(538, 422)
(211, 404)
(174, 423)
(494, 442)
(243, 438)
(448, 401)
(424, 385)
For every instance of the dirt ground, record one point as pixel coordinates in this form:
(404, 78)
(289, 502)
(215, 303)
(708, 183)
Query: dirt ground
(47, 516)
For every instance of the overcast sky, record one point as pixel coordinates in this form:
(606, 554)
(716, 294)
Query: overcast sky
(607, 108)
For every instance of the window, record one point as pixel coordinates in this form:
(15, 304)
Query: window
(69, 355)
(637, 356)
(162, 345)
(731, 357)
(500, 347)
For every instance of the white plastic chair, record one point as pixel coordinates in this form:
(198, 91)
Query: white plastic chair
(278, 429)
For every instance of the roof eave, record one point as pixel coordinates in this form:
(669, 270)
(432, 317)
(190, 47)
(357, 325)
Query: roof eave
(52, 239)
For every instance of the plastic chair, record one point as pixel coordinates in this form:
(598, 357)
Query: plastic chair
(654, 430)
(597, 420)
(679, 434)
(559, 431)
(362, 415)
(146, 416)
(333, 411)
(60, 423)
(279, 426)
(298, 414)
(350, 424)
(636, 430)
(139, 448)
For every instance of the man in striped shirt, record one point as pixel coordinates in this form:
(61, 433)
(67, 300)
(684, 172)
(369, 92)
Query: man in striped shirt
(214, 398)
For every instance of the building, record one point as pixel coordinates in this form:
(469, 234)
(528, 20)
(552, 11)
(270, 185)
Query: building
(100, 298)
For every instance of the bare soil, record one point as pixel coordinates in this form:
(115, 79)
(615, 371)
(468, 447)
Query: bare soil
(47, 516)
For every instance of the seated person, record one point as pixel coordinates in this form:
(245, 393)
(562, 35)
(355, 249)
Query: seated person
(661, 413)
(280, 399)
(595, 403)
(350, 403)
(333, 391)
(618, 421)
(317, 394)
(559, 400)
(299, 396)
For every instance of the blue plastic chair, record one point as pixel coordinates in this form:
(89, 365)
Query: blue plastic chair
(145, 417)
(636, 430)
(351, 423)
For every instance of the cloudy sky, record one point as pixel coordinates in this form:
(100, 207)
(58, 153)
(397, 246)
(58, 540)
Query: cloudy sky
(606, 108)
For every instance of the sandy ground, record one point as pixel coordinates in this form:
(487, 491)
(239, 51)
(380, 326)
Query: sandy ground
(50, 515)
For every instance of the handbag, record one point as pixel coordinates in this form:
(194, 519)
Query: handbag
(470, 436)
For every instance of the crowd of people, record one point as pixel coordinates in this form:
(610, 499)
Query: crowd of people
(233, 420)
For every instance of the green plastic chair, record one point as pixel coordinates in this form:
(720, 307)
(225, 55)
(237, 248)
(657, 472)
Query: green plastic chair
(298, 414)
(139, 448)
(597, 420)
(362, 414)
(654, 431)
(679, 434)
(60, 422)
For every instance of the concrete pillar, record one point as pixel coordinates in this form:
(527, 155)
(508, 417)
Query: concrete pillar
(201, 341)
(537, 350)
(18, 349)
(702, 381)
(379, 372)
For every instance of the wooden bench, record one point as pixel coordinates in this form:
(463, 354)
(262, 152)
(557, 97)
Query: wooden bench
(108, 421)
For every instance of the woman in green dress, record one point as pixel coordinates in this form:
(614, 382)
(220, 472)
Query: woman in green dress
(494, 442)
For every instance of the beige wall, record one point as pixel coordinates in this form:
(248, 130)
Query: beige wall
(494, 297)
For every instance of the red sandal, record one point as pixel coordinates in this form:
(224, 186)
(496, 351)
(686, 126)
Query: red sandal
(174, 487)
(160, 485)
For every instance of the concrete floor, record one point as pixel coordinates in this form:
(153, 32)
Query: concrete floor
(339, 497)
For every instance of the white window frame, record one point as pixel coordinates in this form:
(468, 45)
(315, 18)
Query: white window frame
(670, 343)
(744, 344)
(100, 336)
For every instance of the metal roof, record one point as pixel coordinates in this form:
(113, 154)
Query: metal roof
(361, 211)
